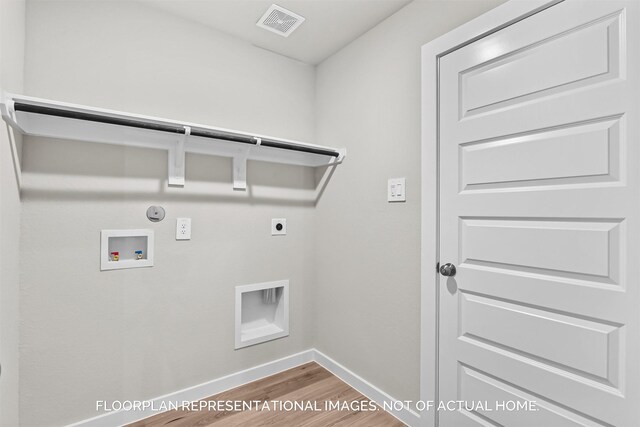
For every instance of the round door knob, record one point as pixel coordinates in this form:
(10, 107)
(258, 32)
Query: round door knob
(448, 269)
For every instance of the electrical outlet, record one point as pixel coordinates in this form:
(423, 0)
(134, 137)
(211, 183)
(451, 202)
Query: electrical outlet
(183, 229)
(278, 227)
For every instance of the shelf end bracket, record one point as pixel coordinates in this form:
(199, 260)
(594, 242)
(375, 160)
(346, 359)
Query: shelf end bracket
(177, 160)
(8, 112)
(8, 115)
(240, 170)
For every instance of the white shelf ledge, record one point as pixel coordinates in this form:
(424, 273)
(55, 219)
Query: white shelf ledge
(252, 332)
(41, 117)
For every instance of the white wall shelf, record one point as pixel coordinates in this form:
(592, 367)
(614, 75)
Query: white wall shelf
(41, 117)
(126, 243)
(258, 320)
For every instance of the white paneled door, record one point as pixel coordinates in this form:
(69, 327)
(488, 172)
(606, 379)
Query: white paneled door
(539, 155)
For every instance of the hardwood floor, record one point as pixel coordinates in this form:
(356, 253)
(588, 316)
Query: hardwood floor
(310, 385)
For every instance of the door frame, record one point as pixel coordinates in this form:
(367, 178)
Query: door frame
(488, 23)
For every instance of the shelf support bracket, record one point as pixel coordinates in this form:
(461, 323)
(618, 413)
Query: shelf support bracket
(240, 170)
(177, 160)
(14, 131)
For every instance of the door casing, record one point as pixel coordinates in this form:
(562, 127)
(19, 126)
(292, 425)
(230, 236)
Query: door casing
(492, 21)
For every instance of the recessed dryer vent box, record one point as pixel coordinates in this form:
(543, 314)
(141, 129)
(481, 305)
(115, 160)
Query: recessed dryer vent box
(262, 312)
(126, 249)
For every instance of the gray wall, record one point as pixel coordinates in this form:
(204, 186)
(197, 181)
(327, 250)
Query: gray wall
(137, 334)
(368, 250)
(353, 260)
(11, 75)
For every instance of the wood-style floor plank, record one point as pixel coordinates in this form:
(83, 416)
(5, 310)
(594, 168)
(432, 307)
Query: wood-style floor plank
(306, 383)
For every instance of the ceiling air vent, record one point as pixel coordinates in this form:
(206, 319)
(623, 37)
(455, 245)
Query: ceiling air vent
(280, 20)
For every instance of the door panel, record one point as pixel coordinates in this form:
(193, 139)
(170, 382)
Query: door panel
(573, 248)
(478, 386)
(581, 56)
(585, 347)
(539, 195)
(540, 158)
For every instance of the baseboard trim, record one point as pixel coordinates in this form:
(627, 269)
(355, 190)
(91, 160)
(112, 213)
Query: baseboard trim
(372, 392)
(201, 391)
(237, 379)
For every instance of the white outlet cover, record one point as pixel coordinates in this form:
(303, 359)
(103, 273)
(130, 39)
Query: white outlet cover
(274, 227)
(396, 190)
(183, 228)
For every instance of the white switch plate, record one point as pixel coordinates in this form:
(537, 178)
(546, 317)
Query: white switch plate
(274, 227)
(183, 229)
(396, 190)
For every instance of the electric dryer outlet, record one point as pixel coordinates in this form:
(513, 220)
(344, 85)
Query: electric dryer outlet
(278, 227)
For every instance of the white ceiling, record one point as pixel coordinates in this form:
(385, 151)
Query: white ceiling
(329, 25)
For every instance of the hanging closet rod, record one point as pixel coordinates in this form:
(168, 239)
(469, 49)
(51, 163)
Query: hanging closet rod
(204, 133)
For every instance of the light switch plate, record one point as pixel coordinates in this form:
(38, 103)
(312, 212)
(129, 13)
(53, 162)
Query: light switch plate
(183, 229)
(396, 190)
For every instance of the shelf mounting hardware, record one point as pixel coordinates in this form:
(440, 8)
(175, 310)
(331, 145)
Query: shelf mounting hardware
(177, 160)
(240, 170)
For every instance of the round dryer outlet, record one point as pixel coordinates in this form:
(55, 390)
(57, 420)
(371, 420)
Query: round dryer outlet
(278, 227)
